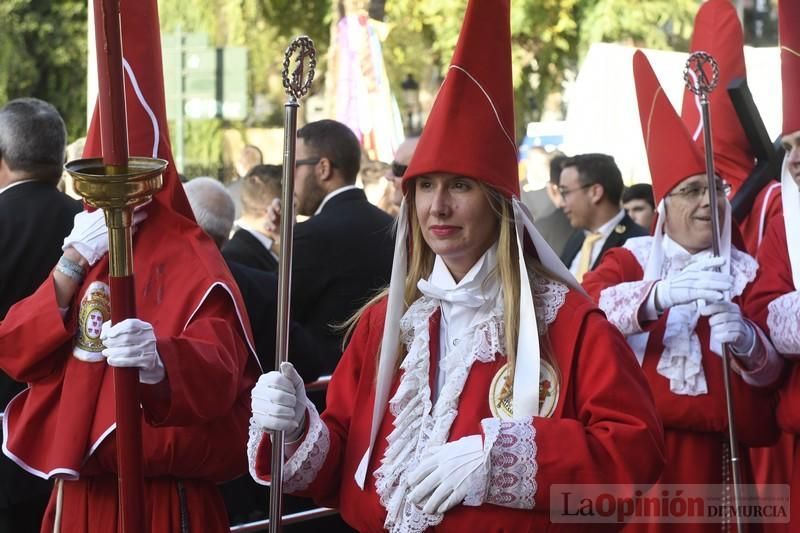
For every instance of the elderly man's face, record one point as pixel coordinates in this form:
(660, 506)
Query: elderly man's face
(688, 212)
(791, 143)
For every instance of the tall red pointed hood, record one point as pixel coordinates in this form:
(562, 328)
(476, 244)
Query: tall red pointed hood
(788, 20)
(717, 31)
(671, 152)
(470, 130)
(145, 103)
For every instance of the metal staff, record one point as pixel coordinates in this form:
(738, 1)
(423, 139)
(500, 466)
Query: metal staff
(297, 84)
(696, 75)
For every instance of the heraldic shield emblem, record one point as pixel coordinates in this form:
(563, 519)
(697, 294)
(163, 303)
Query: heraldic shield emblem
(500, 400)
(95, 309)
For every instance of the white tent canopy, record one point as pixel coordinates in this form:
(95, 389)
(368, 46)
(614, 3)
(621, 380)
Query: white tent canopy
(603, 114)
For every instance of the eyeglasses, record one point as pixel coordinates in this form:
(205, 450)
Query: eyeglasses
(309, 161)
(566, 192)
(398, 170)
(696, 191)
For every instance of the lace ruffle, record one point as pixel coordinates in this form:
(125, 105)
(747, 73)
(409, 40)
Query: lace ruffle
(299, 470)
(621, 304)
(782, 321)
(513, 467)
(418, 424)
(681, 360)
(548, 298)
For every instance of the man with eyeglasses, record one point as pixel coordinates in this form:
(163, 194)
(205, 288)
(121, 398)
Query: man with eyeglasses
(677, 305)
(591, 189)
(774, 300)
(343, 252)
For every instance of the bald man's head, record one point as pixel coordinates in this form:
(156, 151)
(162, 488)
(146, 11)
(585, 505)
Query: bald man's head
(402, 157)
(213, 207)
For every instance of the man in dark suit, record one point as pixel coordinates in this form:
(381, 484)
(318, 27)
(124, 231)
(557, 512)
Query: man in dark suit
(34, 219)
(343, 252)
(591, 188)
(251, 244)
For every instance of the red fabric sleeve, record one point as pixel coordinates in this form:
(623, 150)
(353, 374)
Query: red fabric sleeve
(206, 366)
(618, 265)
(31, 335)
(617, 436)
(774, 276)
(352, 380)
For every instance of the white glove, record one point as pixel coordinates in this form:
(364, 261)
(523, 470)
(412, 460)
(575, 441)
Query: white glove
(446, 474)
(698, 281)
(728, 326)
(89, 236)
(279, 402)
(132, 344)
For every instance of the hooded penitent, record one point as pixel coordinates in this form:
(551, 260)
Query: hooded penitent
(176, 267)
(788, 19)
(672, 156)
(717, 31)
(470, 132)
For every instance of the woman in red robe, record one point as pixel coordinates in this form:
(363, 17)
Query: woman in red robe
(666, 296)
(481, 382)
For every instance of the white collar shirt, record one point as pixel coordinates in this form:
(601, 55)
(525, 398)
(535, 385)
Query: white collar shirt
(605, 230)
(331, 194)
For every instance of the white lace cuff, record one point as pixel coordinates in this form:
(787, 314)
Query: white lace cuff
(512, 463)
(302, 467)
(769, 363)
(784, 324)
(621, 304)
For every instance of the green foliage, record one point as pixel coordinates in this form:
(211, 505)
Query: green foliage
(43, 54)
(663, 24)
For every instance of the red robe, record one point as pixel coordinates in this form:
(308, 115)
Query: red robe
(195, 422)
(604, 428)
(767, 207)
(773, 281)
(695, 427)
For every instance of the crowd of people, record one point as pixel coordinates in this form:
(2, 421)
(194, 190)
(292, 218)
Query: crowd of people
(488, 340)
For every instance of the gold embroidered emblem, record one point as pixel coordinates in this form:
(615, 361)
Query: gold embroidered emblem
(500, 401)
(95, 309)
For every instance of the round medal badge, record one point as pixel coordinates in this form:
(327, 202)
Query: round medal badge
(500, 399)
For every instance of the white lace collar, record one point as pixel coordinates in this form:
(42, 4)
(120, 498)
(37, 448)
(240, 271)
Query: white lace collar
(419, 423)
(681, 360)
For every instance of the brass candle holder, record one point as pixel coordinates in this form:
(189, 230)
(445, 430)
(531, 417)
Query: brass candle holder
(117, 191)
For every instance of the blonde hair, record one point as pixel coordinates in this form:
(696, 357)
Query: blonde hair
(420, 266)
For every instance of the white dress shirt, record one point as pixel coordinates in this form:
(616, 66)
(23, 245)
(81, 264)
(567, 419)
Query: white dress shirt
(331, 194)
(263, 239)
(14, 184)
(463, 303)
(605, 230)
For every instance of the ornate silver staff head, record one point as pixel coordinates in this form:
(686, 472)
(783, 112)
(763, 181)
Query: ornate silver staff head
(298, 82)
(701, 73)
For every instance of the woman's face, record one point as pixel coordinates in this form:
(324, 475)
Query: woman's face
(456, 219)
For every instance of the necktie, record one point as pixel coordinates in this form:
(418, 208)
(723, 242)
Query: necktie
(586, 254)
